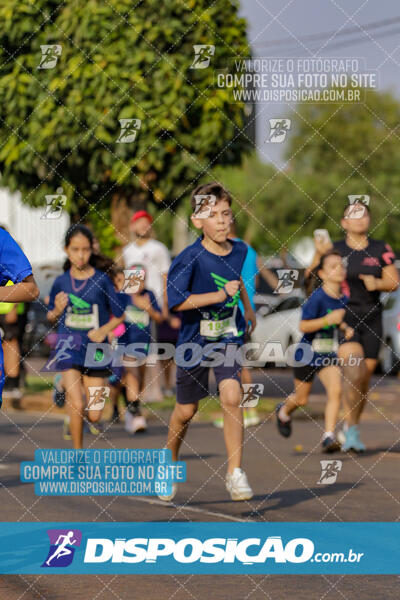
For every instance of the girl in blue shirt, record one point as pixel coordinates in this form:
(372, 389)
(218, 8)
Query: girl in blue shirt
(84, 303)
(322, 318)
(14, 267)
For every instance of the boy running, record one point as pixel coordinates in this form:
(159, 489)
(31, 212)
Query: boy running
(322, 316)
(14, 267)
(204, 283)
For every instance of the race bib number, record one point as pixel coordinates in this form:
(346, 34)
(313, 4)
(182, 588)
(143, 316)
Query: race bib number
(324, 345)
(83, 322)
(221, 328)
(138, 317)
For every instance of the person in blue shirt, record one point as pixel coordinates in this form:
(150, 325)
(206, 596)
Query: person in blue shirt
(252, 268)
(14, 267)
(85, 306)
(322, 319)
(141, 307)
(204, 284)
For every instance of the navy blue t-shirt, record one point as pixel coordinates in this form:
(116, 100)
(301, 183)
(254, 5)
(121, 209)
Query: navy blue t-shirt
(91, 307)
(324, 341)
(15, 267)
(198, 271)
(137, 321)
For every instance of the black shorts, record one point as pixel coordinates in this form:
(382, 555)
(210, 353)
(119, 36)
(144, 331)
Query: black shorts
(192, 384)
(306, 373)
(367, 331)
(9, 331)
(90, 372)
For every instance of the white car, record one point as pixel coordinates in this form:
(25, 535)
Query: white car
(279, 323)
(389, 355)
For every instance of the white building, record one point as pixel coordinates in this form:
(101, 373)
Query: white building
(41, 239)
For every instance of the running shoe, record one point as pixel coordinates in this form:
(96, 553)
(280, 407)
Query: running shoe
(169, 497)
(91, 428)
(66, 429)
(135, 423)
(238, 486)
(219, 422)
(250, 418)
(341, 434)
(353, 441)
(330, 444)
(284, 427)
(58, 392)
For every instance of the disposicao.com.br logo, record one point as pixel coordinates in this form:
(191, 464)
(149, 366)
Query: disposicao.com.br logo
(247, 551)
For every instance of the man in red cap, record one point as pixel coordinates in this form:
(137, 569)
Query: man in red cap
(149, 252)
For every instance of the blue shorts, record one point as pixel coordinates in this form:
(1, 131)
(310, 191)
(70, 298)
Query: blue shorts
(192, 384)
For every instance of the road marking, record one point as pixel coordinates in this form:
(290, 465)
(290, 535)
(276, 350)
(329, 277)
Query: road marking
(192, 509)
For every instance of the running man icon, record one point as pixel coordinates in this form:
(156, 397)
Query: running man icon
(62, 547)
(65, 344)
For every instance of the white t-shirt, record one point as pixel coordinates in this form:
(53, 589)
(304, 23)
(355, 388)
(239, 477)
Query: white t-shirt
(154, 256)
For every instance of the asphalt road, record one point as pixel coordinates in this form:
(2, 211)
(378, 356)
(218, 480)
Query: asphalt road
(284, 481)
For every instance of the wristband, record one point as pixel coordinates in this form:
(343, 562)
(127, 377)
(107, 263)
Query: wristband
(226, 293)
(325, 322)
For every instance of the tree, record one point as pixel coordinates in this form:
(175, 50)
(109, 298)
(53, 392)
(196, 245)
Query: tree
(331, 151)
(59, 126)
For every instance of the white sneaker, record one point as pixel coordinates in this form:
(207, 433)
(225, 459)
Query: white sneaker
(238, 486)
(251, 420)
(169, 497)
(341, 434)
(134, 423)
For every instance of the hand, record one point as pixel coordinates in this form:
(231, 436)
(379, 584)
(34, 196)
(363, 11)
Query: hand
(370, 282)
(142, 301)
(335, 317)
(96, 335)
(60, 302)
(231, 287)
(110, 336)
(348, 332)
(250, 316)
(322, 245)
(174, 322)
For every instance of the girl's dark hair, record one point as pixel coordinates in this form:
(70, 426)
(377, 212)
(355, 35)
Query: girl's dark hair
(313, 281)
(98, 261)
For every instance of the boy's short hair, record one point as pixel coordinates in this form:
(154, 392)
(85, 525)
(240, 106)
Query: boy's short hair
(214, 189)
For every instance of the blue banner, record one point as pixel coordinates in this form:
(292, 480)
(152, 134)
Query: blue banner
(209, 548)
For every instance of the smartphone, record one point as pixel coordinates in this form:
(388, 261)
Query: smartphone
(323, 235)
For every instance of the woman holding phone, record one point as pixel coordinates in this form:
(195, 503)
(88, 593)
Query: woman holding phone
(370, 271)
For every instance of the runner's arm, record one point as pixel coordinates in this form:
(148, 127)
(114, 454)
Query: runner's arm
(199, 300)
(98, 335)
(26, 291)
(333, 318)
(389, 282)
(249, 314)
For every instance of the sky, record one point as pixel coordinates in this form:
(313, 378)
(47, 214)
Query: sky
(272, 20)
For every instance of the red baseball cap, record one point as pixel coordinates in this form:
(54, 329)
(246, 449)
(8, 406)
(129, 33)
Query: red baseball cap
(141, 213)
